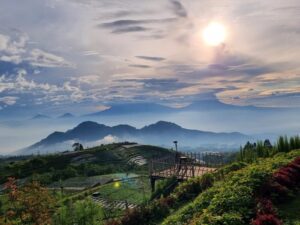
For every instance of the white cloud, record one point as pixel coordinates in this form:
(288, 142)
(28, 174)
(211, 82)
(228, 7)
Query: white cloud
(9, 100)
(250, 25)
(17, 50)
(3, 42)
(44, 59)
(107, 140)
(12, 50)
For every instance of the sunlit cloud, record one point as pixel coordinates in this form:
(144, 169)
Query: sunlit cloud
(136, 50)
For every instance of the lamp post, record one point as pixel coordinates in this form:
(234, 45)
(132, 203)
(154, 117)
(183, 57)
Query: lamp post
(175, 142)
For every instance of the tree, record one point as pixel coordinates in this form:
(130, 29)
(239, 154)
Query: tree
(77, 146)
(30, 204)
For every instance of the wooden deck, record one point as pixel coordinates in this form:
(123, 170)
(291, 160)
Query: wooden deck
(182, 172)
(184, 166)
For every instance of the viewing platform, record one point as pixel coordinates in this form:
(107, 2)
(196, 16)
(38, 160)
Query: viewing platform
(184, 166)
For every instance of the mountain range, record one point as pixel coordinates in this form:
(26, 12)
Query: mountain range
(161, 133)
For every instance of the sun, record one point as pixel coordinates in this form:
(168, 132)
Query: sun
(214, 34)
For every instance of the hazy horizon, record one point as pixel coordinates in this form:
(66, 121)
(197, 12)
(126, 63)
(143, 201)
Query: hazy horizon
(82, 57)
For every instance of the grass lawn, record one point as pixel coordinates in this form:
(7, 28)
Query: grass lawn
(290, 212)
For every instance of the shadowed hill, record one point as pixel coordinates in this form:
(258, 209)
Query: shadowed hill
(160, 133)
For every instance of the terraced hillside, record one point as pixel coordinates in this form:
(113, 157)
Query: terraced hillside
(101, 160)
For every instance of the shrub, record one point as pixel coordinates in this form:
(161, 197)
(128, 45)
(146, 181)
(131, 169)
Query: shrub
(191, 188)
(282, 182)
(226, 218)
(267, 219)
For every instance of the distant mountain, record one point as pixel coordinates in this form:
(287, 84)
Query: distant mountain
(198, 106)
(40, 117)
(214, 104)
(66, 116)
(160, 133)
(133, 108)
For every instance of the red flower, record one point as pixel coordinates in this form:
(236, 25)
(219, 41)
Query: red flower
(267, 219)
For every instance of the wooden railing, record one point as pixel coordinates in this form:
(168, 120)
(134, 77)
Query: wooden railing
(185, 165)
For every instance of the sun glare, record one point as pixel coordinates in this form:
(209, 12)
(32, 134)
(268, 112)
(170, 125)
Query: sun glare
(117, 184)
(214, 34)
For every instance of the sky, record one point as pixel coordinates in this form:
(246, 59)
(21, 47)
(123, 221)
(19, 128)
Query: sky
(82, 56)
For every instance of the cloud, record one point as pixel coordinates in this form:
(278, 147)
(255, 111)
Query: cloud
(12, 50)
(90, 53)
(44, 59)
(122, 23)
(126, 23)
(162, 85)
(178, 9)
(130, 29)
(40, 93)
(107, 140)
(9, 100)
(4, 40)
(151, 58)
(124, 63)
(128, 26)
(16, 51)
(140, 66)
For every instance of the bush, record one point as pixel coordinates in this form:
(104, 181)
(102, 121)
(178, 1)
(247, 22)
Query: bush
(282, 182)
(84, 212)
(267, 219)
(164, 187)
(226, 218)
(192, 187)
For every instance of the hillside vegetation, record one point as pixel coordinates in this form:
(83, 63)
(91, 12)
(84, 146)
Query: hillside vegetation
(101, 160)
(235, 194)
(257, 188)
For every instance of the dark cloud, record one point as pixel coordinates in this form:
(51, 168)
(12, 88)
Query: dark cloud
(121, 23)
(122, 13)
(129, 29)
(140, 66)
(126, 26)
(218, 67)
(165, 84)
(178, 9)
(125, 23)
(150, 58)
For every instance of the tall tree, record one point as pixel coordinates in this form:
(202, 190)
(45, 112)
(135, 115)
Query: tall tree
(77, 146)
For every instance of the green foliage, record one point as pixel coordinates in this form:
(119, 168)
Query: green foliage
(106, 159)
(1, 207)
(289, 211)
(164, 187)
(225, 218)
(84, 212)
(160, 208)
(135, 191)
(251, 152)
(192, 187)
(231, 200)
